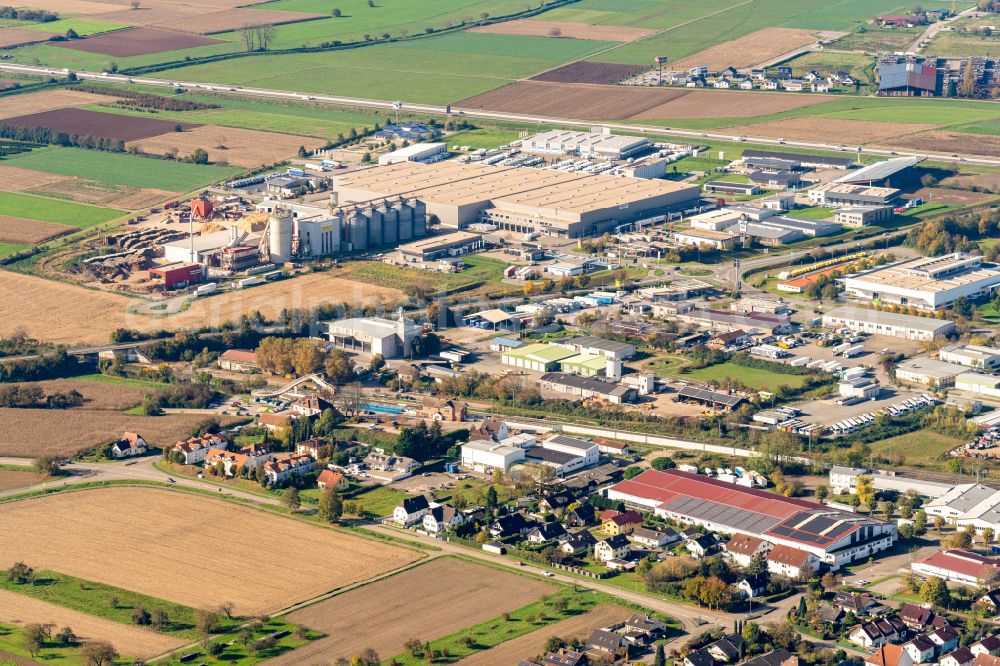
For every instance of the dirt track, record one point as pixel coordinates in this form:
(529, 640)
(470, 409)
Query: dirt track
(749, 50)
(189, 549)
(131, 641)
(568, 29)
(426, 602)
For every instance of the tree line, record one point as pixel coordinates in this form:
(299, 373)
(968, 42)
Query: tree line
(46, 135)
(22, 14)
(133, 98)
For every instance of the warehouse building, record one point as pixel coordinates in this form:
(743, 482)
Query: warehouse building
(862, 216)
(521, 200)
(972, 356)
(839, 194)
(375, 335)
(979, 383)
(587, 387)
(928, 372)
(585, 144)
(863, 320)
(599, 347)
(835, 537)
(726, 187)
(484, 456)
(926, 283)
(757, 158)
(880, 172)
(176, 276)
(417, 152)
(445, 245)
(203, 248)
(908, 79)
(719, 240)
(845, 480)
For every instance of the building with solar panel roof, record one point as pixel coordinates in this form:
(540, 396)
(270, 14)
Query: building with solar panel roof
(834, 537)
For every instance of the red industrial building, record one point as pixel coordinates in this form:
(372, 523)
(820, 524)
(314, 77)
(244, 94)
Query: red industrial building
(202, 208)
(175, 276)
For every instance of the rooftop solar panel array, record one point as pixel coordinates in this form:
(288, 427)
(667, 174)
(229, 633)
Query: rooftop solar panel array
(723, 514)
(710, 396)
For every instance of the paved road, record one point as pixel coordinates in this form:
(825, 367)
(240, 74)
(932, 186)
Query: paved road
(934, 28)
(226, 89)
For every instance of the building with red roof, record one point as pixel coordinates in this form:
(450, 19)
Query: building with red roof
(834, 537)
(958, 566)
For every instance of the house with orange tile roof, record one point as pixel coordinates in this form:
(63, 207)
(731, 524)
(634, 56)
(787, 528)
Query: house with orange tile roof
(238, 360)
(330, 479)
(889, 655)
(282, 470)
(195, 449)
(231, 463)
(130, 444)
(791, 562)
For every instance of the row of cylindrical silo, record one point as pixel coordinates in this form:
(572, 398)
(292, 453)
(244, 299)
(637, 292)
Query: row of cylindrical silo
(377, 224)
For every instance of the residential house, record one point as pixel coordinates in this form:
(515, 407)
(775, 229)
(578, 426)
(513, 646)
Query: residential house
(779, 657)
(986, 660)
(408, 373)
(961, 657)
(580, 515)
(655, 538)
(491, 428)
(276, 420)
(510, 525)
(238, 360)
(390, 468)
(195, 449)
(831, 614)
(811, 76)
(564, 657)
(859, 604)
(771, 84)
(647, 625)
(606, 642)
(916, 617)
(791, 562)
(722, 83)
(752, 586)
(546, 532)
(231, 463)
(727, 650)
(315, 447)
(730, 339)
(445, 411)
(945, 638)
(611, 447)
(702, 545)
(577, 543)
(794, 85)
(554, 502)
(699, 658)
(877, 632)
(612, 548)
(920, 649)
(990, 600)
(889, 655)
(819, 87)
(442, 518)
(331, 479)
(989, 645)
(746, 84)
(310, 406)
(130, 444)
(281, 471)
(620, 522)
(742, 548)
(411, 510)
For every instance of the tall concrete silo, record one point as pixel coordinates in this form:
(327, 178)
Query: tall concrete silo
(280, 233)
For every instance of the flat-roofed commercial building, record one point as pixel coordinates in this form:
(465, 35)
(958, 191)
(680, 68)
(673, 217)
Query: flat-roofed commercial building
(979, 383)
(849, 194)
(584, 144)
(927, 283)
(863, 320)
(444, 245)
(486, 455)
(374, 335)
(928, 372)
(720, 240)
(519, 199)
(861, 216)
(972, 356)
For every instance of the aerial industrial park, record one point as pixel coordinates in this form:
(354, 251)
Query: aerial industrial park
(563, 333)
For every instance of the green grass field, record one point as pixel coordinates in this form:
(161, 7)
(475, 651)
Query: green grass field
(755, 378)
(81, 26)
(53, 210)
(874, 40)
(121, 169)
(964, 44)
(95, 599)
(439, 70)
(7, 249)
(814, 213)
(379, 501)
(922, 448)
(480, 269)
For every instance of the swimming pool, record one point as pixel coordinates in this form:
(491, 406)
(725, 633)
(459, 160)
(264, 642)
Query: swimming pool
(382, 409)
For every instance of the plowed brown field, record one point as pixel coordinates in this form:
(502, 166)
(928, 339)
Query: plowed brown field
(11, 37)
(829, 129)
(137, 41)
(529, 645)
(595, 102)
(69, 431)
(570, 29)
(20, 230)
(752, 49)
(95, 123)
(20, 610)
(17, 479)
(260, 561)
(426, 602)
(952, 142)
(243, 147)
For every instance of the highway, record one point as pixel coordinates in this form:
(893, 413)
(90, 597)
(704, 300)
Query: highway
(266, 93)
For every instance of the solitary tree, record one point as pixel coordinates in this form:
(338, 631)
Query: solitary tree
(291, 498)
(99, 653)
(935, 592)
(337, 13)
(330, 506)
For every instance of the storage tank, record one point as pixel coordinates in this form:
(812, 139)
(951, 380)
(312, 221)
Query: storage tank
(419, 217)
(357, 229)
(405, 221)
(280, 236)
(375, 216)
(390, 223)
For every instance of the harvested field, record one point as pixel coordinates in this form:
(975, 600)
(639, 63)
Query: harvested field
(11, 37)
(137, 41)
(235, 19)
(590, 102)
(755, 48)
(243, 147)
(94, 123)
(951, 142)
(30, 232)
(570, 29)
(950, 196)
(132, 641)
(46, 100)
(200, 19)
(82, 190)
(73, 430)
(65, 313)
(139, 199)
(16, 179)
(16, 479)
(428, 601)
(986, 181)
(97, 395)
(94, 532)
(531, 644)
(829, 129)
(590, 72)
(65, 7)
